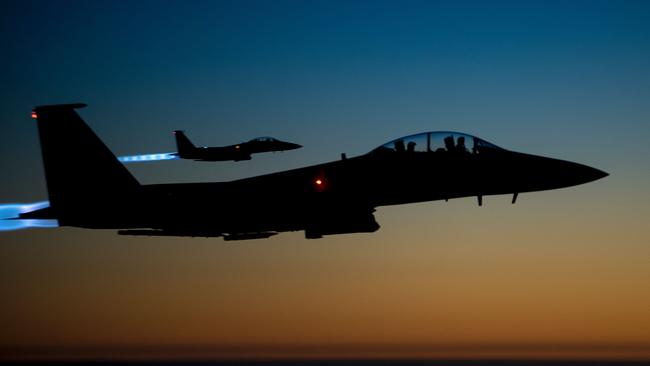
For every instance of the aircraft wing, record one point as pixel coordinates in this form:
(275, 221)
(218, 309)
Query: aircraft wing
(262, 218)
(316, 226)
(204, 233)
(341, 221)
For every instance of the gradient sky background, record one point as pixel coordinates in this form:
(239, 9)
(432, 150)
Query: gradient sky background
(561, 272)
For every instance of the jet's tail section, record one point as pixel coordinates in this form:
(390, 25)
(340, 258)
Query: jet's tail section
(184, 145)
(85, 181)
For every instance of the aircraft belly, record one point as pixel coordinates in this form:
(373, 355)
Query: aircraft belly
(231, 208)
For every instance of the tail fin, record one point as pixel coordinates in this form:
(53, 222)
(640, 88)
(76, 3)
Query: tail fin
(184, 145)
(85, 180)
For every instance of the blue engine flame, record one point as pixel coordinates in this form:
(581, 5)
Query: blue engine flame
(12, 210)
(8, 213)
(9, 225)
(147, 157)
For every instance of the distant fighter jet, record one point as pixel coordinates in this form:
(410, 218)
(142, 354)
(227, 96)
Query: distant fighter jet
(242, 151)
(94, 190)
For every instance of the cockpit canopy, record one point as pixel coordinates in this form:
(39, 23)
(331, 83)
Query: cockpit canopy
(440, 141)
(263, 139)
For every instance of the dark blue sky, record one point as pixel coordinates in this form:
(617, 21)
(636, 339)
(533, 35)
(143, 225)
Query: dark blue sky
(566, 79)
(334, 76)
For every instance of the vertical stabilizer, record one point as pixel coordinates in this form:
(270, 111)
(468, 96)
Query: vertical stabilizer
(84, 179)
(184, 145)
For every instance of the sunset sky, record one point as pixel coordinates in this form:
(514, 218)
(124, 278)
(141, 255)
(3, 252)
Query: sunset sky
(561, 273)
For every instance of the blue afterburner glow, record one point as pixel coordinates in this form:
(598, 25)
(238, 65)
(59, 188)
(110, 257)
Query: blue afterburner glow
(12, 210)
(8, 225)
(8, 212)
(147, 157)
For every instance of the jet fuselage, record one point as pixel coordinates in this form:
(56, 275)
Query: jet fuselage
(331, 198)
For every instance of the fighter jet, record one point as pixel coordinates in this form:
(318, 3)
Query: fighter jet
(96, 191)
(241, 151)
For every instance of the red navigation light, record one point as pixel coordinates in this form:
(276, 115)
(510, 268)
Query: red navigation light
(319, 184)
(34, 115)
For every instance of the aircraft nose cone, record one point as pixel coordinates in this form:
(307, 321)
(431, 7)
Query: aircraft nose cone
(597, 174)
(542, 173)
(580, 174)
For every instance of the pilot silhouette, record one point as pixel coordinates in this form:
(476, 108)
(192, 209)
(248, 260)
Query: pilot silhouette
(410, 147)
(399, 146)
(460, 145)
(449, 143)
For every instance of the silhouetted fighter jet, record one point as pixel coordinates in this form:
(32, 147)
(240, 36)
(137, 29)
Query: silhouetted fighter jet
(242, 151)
(94, 190)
